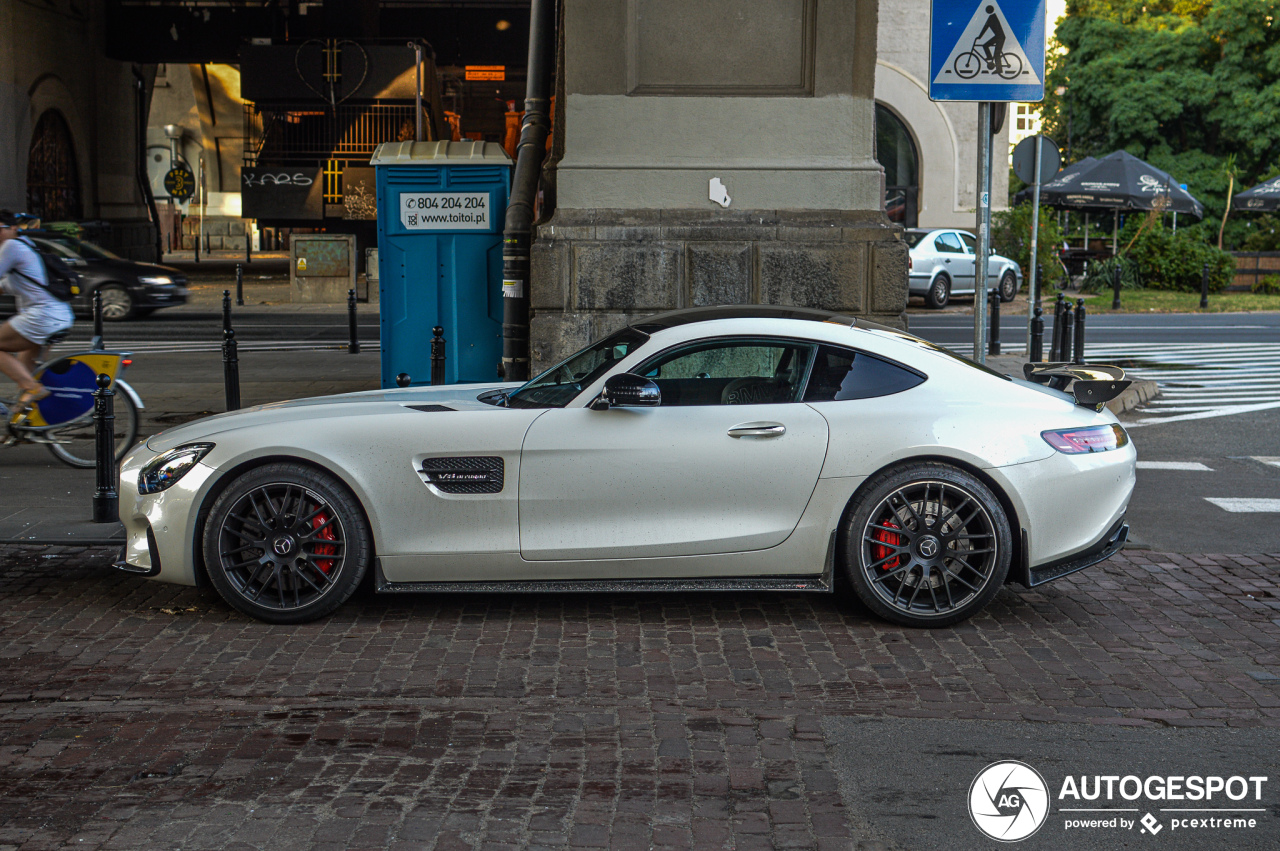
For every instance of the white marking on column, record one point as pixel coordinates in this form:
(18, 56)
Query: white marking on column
(1246, 505)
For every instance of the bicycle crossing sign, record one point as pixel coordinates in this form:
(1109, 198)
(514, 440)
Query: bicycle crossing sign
(987, 50)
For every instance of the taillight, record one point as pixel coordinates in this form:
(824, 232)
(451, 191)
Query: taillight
(1077, 441)
(126, 362)
(910, 263)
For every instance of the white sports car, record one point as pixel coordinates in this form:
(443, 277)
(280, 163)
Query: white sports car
(711, 448)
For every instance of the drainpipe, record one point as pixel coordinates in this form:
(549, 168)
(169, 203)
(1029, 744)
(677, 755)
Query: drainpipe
(517, 233)
(144, 185)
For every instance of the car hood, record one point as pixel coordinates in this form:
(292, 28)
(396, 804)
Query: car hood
(458, 397)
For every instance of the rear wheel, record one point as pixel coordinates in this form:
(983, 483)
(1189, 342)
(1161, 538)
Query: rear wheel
(286, 543)
(928, 545)
(76, 441)
(1008, 286)
(939, 292)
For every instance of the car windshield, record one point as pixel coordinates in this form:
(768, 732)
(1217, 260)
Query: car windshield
(912, 237)
(556, 387)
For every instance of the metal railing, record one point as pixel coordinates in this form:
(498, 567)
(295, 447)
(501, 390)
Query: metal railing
(283, 133)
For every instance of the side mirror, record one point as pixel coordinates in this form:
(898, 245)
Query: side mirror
(626, 390)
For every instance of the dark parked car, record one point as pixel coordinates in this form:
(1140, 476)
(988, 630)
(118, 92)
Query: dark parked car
(129, 289)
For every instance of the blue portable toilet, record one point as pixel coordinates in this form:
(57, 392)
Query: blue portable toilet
(441, 207)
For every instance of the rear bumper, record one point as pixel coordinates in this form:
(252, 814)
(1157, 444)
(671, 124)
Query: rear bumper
(1107, 546)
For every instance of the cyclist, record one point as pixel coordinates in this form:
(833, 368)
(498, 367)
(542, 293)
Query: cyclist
(39, 315)
(993, 47)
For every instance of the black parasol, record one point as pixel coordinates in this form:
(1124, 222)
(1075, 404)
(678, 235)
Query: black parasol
(1263, 198)
(1118, 181)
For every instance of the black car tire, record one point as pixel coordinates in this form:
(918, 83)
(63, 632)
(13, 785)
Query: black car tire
(117, 303)
(286, 543)
(1008, 286)
(926, 526)
(939, 292)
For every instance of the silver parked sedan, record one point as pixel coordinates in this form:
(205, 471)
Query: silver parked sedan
(763, 448)
(942, 262)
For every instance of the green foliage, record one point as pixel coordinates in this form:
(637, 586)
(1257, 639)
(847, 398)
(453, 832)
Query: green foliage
(1100, 276)
(1011, 237)
(1265, 235)
(1183, 84)
(1168, 261)
(1269, 285)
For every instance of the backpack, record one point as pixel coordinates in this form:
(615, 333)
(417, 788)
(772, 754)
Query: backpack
(60, 280)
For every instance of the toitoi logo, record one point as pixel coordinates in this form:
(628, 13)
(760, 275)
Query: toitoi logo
(1008, 800)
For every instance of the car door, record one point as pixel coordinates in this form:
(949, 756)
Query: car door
(725, 464)
(955, 261)
(993, 267)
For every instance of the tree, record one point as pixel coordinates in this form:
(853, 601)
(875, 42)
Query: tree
(1183, 84)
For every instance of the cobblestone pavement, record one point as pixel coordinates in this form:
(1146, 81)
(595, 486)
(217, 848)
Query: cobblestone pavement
(134, 714)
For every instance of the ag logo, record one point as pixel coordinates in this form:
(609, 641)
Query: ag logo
(1008, 801)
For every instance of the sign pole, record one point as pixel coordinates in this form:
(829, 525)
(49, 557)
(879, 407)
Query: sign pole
(1033, 290)
(984, 234)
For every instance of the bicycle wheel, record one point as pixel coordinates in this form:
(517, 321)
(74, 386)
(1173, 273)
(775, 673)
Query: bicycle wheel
(75, 444)
(1010, 66)
(967, 65)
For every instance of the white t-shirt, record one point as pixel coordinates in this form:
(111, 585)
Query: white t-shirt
(22, 268)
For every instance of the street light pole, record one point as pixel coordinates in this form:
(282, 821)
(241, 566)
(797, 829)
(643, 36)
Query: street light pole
(984, 233)
(1033, 287)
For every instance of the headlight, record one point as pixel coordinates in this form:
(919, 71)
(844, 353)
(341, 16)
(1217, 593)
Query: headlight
(166, 468)
(1077, 441)
(159, 282)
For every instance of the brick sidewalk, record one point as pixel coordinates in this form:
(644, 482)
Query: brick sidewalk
(135, 714)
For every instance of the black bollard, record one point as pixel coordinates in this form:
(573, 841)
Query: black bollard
(248, 243)
(1204, 286)
(106, 499)
(1068, 323)
(1037, 337)
(1039, 287)
(196, 240)
(1115, 287)
(239, 285)
(993, 338)
(1055, 348)
(1078, 357)
(437, 355)
(230, 358)
(97, 343)
(353, 344)
(403, 380)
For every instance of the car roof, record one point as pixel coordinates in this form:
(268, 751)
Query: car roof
(685, 316)
(938, 230)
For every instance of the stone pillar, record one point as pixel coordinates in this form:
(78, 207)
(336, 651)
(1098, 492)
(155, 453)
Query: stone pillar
(665, 101)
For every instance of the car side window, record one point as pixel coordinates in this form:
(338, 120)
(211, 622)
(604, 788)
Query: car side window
(839, 374)
(739, 372)
(948, 243)
(970, 243)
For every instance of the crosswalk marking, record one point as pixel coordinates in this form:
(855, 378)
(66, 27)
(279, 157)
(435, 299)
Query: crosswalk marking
(1191, 466)
(154, 347)
(1272, 460)
(1245, 505)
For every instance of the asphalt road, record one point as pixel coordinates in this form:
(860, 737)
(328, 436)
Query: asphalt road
(1118, 328)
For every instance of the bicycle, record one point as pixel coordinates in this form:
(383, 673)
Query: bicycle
(967, 65)
(63, 420)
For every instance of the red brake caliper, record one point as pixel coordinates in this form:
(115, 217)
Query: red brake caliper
(325, 534)
(884, 536)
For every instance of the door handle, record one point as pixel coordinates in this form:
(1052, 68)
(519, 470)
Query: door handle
(758, 430)
(947, 260)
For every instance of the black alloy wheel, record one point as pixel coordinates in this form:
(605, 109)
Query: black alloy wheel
(939, 292)
(286, 543)
(928, 545)
(1008, 286)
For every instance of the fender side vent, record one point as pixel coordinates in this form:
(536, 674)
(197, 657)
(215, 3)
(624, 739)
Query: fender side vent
(481, 474)
(430, 409)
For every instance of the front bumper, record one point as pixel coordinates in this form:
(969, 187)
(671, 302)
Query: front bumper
(155, 296)
(160, 528)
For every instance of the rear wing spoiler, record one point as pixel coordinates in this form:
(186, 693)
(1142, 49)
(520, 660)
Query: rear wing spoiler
(1093, 384)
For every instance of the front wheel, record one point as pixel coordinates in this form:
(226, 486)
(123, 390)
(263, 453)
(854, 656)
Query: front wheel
(1008, 286)
(117, 303)
(286, 543)
(75, 444)
(927, 545)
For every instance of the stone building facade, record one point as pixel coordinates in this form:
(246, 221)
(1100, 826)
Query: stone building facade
(713, 153)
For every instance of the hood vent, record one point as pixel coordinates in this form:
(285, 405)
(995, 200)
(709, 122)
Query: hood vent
(430, 409)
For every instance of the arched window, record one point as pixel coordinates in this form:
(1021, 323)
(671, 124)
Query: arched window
(896, 151)
(53, 183)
